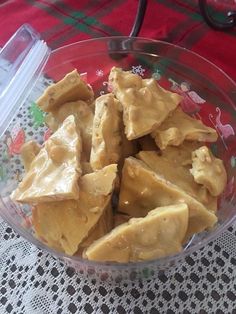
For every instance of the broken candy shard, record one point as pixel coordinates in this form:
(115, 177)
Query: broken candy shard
(181, 177)
(157, 235)
(106, 135)
(67, 223)
(178, 127)
(208, 170)
(145, 104)
(142, 190)
(83, 117)
(70, 88)
(54, 172)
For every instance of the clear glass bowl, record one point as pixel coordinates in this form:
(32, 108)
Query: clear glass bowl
(208, 94)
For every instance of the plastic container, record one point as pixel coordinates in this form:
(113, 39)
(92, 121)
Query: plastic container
(208, 92)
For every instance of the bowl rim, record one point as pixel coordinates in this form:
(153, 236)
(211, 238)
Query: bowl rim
(115, 265)
(107, 38)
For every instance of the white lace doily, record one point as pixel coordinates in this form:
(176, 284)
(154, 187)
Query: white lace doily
(34, 282)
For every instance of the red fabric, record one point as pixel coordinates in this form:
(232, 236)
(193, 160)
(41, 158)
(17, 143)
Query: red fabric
(176, 21)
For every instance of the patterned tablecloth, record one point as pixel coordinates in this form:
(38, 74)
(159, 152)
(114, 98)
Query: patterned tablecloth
(32, 281)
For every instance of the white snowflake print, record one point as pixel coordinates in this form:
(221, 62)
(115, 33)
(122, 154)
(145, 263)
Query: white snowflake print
(99, 72)
(138, 70)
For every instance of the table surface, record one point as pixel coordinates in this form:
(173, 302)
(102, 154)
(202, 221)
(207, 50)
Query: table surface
(33, 281)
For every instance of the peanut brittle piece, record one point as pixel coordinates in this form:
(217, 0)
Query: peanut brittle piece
(157, 235)
(54, 172)
(67, 223)
(209, 170)
(178, 127)
(145, 104)
(143, 190)
(178, 175)
(70, 88)
(106, 136)
(83, 117)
